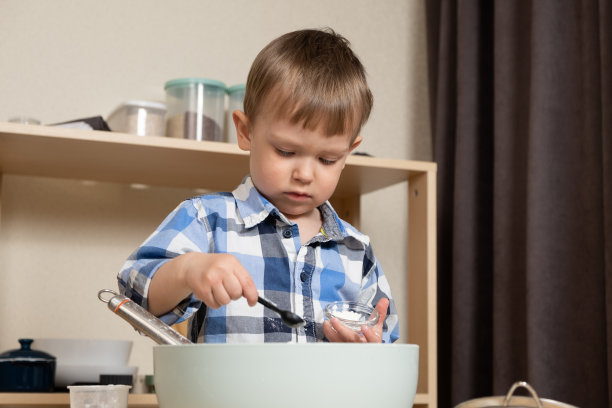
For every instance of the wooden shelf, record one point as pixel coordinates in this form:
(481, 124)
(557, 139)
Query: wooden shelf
(45, 151)
(24, 400)
(134, 400)
(117, 157)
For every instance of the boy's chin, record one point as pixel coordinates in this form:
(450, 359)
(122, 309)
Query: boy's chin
(292, 212)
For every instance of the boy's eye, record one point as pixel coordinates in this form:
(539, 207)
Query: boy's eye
(284, 153)
(327, 162)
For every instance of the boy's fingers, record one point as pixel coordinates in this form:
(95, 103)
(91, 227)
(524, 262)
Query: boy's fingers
(371, 334)
(220, 295)
(249, 290)
(233, 287)
(334, 336)
(382, 306)
(374, 334)
(344, 332)
(209, 299)
(330, 333)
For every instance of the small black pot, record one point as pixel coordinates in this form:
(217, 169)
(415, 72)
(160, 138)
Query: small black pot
(26, 370)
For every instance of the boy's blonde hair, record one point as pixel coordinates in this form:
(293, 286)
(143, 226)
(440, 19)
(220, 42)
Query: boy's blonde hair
(314, 78)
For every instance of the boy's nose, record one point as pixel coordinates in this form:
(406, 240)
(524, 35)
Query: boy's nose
(304, 172)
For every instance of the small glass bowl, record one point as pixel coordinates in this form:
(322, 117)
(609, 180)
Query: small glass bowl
(352, 314)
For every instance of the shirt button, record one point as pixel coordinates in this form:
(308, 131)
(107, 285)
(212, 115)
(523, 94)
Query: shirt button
(287, 233)
(303, 276)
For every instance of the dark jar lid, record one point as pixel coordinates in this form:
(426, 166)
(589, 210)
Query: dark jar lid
(25, 353)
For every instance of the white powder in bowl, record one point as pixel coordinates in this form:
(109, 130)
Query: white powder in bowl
(352, 314)
(348, 315)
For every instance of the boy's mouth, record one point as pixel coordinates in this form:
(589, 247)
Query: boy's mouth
(295, 195)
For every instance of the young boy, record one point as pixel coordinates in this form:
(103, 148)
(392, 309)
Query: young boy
(275, 234)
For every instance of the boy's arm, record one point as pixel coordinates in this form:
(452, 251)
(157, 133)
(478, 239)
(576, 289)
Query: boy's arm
(171, 239)
(216, 279)
(167, 288)
(173, 270)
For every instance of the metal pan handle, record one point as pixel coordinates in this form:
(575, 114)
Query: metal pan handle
(141, 319)
(529, 388)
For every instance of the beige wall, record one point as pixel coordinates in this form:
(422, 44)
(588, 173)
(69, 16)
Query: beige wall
(62, 240)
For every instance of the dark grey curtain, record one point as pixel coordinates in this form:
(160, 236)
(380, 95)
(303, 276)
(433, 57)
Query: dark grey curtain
(522, 118)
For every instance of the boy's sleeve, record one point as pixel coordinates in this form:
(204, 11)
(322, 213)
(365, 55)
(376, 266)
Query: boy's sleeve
(181, 232)
(374, 286)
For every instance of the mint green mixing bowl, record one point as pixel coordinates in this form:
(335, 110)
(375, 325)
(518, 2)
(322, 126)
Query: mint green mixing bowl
(286, 375)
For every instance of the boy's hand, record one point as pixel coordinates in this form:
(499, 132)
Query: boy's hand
(217, 279)
(335, 331)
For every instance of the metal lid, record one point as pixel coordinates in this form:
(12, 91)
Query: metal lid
(512, 401)
(26, 354)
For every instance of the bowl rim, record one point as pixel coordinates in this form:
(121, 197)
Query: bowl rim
(292, 344)
(372, 320)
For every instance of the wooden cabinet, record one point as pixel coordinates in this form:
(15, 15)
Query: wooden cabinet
(158, 161)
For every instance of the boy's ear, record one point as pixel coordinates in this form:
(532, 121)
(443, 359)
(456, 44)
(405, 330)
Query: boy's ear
(356, 143)
(243, 133)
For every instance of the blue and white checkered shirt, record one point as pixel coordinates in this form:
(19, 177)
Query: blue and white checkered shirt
(336, 264)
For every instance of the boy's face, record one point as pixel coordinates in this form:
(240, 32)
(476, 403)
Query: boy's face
(296, 169)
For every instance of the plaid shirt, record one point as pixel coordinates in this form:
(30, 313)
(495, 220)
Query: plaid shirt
(336, 264)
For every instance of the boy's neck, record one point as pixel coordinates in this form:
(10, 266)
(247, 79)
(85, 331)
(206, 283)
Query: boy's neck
(309, 224)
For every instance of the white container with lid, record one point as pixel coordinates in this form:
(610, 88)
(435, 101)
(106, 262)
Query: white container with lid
(102, 396)
(142, 118)
(195, 108)
(236, 99)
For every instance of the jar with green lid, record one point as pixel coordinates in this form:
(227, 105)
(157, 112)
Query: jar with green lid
(236, 99)
(195, 108)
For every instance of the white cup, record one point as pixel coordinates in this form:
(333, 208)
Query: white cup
(99, 396)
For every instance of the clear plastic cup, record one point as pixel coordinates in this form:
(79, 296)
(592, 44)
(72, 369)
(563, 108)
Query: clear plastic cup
(99, 396)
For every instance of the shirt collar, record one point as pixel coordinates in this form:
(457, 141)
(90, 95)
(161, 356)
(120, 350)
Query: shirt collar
(252, 206)
(255, 208)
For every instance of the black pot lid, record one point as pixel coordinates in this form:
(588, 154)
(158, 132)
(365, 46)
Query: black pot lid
(25, 353)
